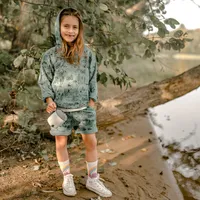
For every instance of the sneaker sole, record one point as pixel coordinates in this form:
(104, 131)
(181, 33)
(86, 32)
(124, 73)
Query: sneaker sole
(70, 195)
(97, 192)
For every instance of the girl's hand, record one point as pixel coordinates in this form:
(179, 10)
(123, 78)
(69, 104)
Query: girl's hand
(91, 103)
(51, 107)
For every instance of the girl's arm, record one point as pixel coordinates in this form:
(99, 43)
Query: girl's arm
(45, 79)
(93, 91)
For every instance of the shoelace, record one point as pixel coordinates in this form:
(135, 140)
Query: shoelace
(102, 187)
(69, 181)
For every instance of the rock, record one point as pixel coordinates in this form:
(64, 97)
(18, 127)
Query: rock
(5, 44)
(30, 62)
(28, 76)
(19, 61)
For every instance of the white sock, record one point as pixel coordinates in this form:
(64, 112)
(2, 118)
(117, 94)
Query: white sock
(92, 169)
(64, 166)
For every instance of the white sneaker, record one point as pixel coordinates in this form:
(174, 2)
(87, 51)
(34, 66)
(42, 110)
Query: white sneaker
(95, 185)
(68, 185)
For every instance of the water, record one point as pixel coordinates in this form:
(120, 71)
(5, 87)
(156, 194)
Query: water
(177, 125)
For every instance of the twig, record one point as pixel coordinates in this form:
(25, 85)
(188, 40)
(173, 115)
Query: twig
(195, 3)
(151, 7)
(37, 4)
(8, 146)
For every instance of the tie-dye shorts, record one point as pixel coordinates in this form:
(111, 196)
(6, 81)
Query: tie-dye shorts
(83, 121)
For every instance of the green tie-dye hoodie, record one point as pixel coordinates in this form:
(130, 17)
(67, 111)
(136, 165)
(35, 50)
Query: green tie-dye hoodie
(69, 85)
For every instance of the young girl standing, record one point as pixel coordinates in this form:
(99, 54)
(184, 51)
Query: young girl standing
(68, 81)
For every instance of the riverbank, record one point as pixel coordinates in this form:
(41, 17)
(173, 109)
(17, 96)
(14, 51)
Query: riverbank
(130, 162)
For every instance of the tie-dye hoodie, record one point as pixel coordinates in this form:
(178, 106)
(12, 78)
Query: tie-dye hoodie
(69, 85)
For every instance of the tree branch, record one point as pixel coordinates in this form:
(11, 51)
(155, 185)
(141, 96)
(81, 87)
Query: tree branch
(37, 4)
(195, 3)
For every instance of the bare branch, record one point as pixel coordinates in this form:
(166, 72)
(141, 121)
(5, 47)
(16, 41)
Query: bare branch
(195, 3)
(37, 4)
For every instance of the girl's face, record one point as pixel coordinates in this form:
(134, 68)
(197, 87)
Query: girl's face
(69, 28)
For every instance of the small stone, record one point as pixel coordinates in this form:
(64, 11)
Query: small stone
(36, 167)
(149, 140)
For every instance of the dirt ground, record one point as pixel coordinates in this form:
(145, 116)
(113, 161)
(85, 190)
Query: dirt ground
(130, 163)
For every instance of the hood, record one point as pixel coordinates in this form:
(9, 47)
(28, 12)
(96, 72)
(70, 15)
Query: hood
(57, 29)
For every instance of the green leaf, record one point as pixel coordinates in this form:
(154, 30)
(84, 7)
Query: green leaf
(147, 54)
(188, 39)
(172, 40)
(167, 46)
(17, 2)
(103, 78)
(152, 45)
(4, 1)
(16, 12)
(175, 46)
(129, 24)
(103, 7)
(35, 7)
(178, 33)
(121, 57)
(162, 7)
(172, 22)
(161, 32)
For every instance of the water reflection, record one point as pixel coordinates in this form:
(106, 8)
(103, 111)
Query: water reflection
(177, 125)
(178, 120)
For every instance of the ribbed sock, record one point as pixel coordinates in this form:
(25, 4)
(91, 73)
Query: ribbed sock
(64, 166)
(92, 169)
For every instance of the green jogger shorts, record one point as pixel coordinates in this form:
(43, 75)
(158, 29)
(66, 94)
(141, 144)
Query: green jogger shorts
(83, 121)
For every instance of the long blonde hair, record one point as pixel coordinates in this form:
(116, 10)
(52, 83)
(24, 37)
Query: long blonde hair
(73, 53)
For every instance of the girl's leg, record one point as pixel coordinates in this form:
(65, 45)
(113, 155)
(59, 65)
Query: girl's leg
(90, 142)
(63, 161)
(93, 182)
(91, 153)
(62, 154)
(61, 150)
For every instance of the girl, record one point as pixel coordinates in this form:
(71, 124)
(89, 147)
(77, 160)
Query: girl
(68, 81)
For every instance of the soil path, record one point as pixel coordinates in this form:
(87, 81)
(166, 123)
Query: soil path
(130, 162)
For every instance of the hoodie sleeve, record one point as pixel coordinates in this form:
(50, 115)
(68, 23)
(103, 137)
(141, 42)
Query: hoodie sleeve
(93, 91)
(45, 78)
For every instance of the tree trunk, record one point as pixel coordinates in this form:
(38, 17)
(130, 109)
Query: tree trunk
(23, 35)
(136, 101)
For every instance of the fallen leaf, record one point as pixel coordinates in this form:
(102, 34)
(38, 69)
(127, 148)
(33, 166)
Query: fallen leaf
(36, 167)
(36, 184)
(101, 179)
(45, 157)
(144, 150)
(47, 191)
(107, 151)
(103, 7)
(133, 136)
(112, 163)
(98, 198)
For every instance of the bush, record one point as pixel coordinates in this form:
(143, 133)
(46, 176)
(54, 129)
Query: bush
(5, 61)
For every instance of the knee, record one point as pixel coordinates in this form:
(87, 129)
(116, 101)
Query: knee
(61, 142)
(91, 143)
